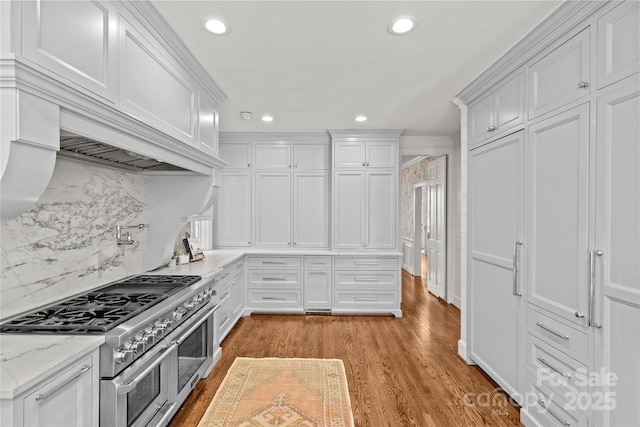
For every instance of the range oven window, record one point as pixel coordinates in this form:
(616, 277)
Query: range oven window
(142, 396)
(192, 353)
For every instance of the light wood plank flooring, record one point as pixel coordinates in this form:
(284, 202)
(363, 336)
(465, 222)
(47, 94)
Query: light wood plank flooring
(401, 372)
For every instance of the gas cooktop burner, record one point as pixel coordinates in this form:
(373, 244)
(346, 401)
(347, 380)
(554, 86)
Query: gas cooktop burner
(101, 310)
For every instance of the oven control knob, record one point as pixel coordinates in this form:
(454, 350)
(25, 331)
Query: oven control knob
(189, 305)
(177, 315)
(158, 330)
(168, 323)
(120, 354)
(134, 345)
(198, 299)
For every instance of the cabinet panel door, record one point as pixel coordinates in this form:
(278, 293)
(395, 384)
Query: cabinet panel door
(207, 127)
(311, 210)
(619, 43)
(317, 289)
(234, 210)
(273, 156)
(75, 40)
(618, 236)
(273, 209)
(144, 68)
(381, 210)
(349, 154)
(382, 154)
(509, 105)
(481, 118)
(349, 210)
(71, 399)
(554, 80)
(557, 199)
(496, 179)
(237, 156)
(311, 157)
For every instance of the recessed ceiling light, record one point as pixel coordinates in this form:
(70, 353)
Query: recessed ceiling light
(216, 26)
(402, 25)
(267, 118)
(360, 118)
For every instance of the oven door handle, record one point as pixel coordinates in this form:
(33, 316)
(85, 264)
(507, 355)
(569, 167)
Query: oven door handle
(126, 388)
(189, 331)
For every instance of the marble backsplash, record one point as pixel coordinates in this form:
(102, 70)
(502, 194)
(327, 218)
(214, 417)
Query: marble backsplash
(66, 245)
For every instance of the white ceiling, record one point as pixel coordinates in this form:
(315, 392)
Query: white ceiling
(314, 65)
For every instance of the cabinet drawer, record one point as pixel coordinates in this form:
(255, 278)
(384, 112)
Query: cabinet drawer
(317, 262)
(365, 300)
(560, 373)
(354, 279)
(275, 299)
(274, 279)
(549, 410)
(275, 262)
(571, 341)
(222, 290)
(354, 263)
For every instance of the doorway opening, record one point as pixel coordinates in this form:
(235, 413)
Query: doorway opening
(430, 222)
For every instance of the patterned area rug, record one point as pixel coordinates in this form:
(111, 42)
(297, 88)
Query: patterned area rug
(275, 392)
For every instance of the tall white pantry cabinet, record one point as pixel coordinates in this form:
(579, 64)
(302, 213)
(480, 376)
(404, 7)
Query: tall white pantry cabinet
(554, 218)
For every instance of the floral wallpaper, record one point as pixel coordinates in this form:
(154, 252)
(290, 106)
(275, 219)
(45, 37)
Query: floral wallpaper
(411, 175)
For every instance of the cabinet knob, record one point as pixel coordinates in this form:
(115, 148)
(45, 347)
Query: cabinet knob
(491, 128)
(583, 85)
(364, 163)
(295, 166)
(248, 165)
(367, 164)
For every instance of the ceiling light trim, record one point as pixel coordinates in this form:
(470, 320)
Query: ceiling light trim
(398, 26)
(216, 26)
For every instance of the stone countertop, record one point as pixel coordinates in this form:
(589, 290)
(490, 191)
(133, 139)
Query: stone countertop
(27, 359)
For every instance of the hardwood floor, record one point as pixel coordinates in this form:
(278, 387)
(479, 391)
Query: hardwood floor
(401, 372)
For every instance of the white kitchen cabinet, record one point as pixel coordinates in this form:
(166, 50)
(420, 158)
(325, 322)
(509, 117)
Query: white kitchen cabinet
(208, 123)
(557, 202)
(561, 76)
(236, 291)
(311, 157)
(499, 112)
(75, 40)
(273, 157)
(365, 209)
(273, 209)
(496, 176)
(67, 398)
(349, 154)
(366, 285)
(274, 284)
(619, 43)
(237, 155)
(615, 311)
(310, 209)
(234, 221)
(286, 156)
(317, 283)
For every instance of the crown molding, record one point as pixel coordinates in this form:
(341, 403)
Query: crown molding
(274, 137)
(365, 133)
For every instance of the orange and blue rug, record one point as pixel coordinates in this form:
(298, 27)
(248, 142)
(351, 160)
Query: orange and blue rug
(276, 392)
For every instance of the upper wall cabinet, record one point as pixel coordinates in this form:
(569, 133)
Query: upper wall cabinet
(349, 154)
(75, 40)
(618, 43)
(500, 111)
(561, 76)
(285, 156)
(237, 156)
(152, 87)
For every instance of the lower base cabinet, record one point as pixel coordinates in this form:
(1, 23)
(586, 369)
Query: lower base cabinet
(67, 398)
(274, 284)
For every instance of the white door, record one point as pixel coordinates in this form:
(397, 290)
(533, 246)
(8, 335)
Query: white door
(273, 209)
(234, 227)
(381, 210)
(349, 210)
(556, 208)
(496, 186)
(311, 210)
(617, 269)
(436, 240)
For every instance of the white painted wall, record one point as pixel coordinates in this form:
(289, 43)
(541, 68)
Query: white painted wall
(453, 223)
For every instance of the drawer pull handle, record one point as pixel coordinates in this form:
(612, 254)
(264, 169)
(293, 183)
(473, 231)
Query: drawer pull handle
(274, 262)
(553, 368)
(223, 321)
(279, 279)
(365, 299)
(44, 396)
(365, 279)
(274, 299)
(516, 268)
(563, 422)
(558, 334)
(592, 287)
(365, 263)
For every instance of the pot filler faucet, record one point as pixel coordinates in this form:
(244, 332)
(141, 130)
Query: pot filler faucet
(127, 239)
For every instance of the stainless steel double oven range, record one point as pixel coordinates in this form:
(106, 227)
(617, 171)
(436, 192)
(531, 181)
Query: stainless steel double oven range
(158, 342)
